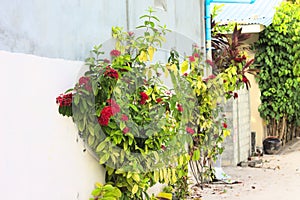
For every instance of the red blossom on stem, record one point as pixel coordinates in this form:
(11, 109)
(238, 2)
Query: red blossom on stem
(114, 106)
(105, 115)
(125, 130)
(196, 55)
(106, 60)
(190, 130)
(158, 100)
(144, 98)
(224, 125)
(110, 72)
(124, 118)
(85, 81)
(64, 99)
(163, 147)
(115, 53)
(192, 59)
(179, 108)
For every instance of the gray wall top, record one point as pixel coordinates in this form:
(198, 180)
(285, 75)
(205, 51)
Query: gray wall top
(69, 29)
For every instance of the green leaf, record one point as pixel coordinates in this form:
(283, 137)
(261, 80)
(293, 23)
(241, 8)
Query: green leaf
(135, 189)
(104, 158)
(101, 146)
(76, 99)
(91, 140)
(133, 107)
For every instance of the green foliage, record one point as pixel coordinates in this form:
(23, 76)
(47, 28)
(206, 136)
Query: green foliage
(105, 192)
(277, 57)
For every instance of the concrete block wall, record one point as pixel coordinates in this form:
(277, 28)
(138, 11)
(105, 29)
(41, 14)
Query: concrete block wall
(237, 145)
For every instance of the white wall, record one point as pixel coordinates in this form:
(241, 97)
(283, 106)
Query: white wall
(39, 155)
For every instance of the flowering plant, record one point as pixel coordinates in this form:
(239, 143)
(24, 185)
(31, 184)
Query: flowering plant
(130, 120)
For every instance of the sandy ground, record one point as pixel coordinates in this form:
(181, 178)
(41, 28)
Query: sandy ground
(278, 177)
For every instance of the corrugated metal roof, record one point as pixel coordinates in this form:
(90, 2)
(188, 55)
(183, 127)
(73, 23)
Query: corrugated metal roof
(260, 12)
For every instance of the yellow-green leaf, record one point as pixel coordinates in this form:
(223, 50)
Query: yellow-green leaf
(135, 189)
(184, 66)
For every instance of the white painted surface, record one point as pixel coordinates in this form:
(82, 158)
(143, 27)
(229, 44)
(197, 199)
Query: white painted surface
(39, 155)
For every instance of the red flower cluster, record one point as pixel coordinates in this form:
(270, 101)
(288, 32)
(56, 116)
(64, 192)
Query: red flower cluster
(158, 100)
(192, 59)
(196, 55)
(224, 125)
(111, 73)
(125, 130)
(115, 108)
(108, 111)
(144, 98)
(64, 99)
(105, 115)
(124, 118)
(85, 81)
(179, 108)
(190, 130)
(115, 53)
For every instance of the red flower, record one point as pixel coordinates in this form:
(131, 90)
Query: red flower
(163, 147)
(85, 81)
(106, 60)
(115, 53)
(124, 118)
(111, 73)
(185, 74)
(179, 108)
(130, 33)
(245, 80)
(105, 115)
(144, 98)
(88, 87)
(190, 130)
(224, 125)
(235, 95)
(115, 108)
(64, 99)
(192, 59)
(125, 130)
(196, 55)
(158, 100)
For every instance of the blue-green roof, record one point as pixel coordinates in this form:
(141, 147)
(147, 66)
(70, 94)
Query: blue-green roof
(260, 12)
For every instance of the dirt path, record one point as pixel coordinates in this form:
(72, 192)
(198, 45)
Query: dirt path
(277, 178)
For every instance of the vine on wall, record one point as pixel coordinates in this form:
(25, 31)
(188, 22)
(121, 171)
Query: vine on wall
(277, 57)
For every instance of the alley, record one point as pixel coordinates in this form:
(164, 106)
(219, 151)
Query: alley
(277, 178)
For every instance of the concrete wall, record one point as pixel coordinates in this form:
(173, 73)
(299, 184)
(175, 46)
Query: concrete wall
(237, 145)
(69, 29)
(257, 123)
(39, 155)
